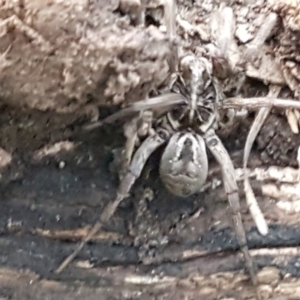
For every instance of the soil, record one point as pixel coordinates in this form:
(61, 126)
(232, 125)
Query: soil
(74, 56)
(186, 251)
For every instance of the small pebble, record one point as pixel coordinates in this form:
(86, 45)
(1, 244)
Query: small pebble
(61, 164)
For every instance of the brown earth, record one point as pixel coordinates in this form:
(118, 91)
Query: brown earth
(62, 55)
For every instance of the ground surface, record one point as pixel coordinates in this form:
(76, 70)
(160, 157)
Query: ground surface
(157, 246)
(61, 56)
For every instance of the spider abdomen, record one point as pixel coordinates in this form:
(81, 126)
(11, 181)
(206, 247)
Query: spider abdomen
(184, 164)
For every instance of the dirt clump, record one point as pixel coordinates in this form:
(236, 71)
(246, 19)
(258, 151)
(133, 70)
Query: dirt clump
(73, 56)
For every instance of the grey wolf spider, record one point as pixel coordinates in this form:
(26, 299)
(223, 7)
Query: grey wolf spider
(185, 121)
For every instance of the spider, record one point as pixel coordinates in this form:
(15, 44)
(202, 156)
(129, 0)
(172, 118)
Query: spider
(185, 121)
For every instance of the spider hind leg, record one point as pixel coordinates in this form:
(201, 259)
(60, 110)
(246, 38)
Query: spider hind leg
(221, 155)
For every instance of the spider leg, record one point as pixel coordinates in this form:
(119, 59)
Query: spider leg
(163, 101)
(123, 113)
(258, 102)
(159, 104)
(137, 164)
(136, 167)
(133, 130)
(221, 155)
(260, 118)
(211, 120)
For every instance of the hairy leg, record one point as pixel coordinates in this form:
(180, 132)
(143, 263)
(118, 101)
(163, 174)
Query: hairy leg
(159, 105)
(133, 130)
(254, 209)
(219, 152)
(259, 102)
(136, 167)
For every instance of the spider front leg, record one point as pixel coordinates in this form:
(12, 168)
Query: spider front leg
(133, 130)
(221, 155)
(136, 166)
(135, 169)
